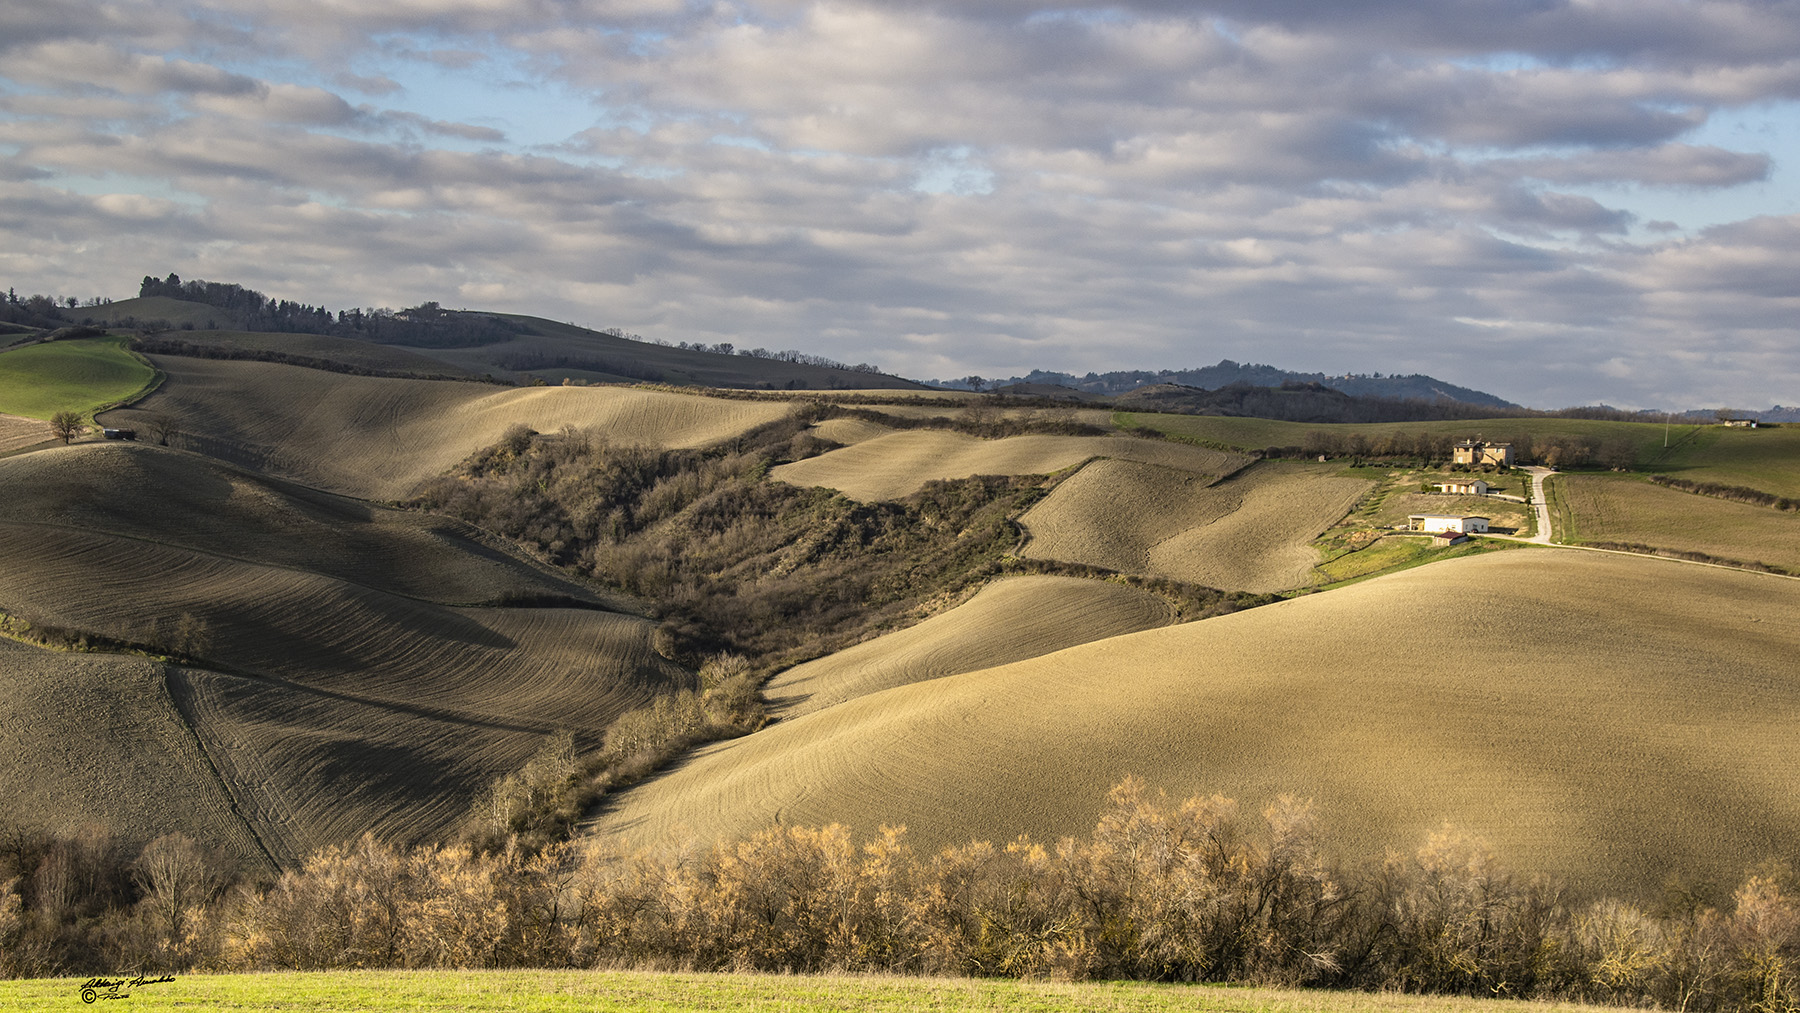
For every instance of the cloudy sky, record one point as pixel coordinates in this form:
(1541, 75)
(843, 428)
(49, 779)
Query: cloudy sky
(1559, 202)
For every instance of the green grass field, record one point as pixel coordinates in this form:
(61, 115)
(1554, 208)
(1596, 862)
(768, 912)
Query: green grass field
(645, 992)
(82, 375)
(1764, 459)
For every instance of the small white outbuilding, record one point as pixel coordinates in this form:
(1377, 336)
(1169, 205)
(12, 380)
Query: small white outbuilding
(1433, 523)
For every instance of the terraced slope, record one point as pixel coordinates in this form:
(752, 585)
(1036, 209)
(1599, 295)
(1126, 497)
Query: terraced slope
(379, 437)
(1250, 532)
(1510, 694)
(896, 465)
(333, 686)
(1009, 620)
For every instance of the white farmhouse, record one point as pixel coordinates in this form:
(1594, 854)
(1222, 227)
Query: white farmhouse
(1433, 523)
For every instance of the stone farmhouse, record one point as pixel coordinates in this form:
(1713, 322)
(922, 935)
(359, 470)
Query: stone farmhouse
(1476, 452)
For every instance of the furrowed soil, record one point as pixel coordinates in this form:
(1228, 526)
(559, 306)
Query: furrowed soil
(1009, 620)
(17, 433)
(1510, 694)
(1628, 510)
(331, 666)
(91, 739)
(894, 466)
(1250, 532)
(379, 437)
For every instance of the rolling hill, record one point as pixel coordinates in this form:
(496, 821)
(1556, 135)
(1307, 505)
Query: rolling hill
(342, 667)
(1250, 532)
(379, 437)
(1608, 719)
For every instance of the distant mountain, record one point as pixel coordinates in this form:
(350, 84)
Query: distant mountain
(1228, 373)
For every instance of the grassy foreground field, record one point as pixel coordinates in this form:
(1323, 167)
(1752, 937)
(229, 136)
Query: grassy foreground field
(647, 992)
(81, 375)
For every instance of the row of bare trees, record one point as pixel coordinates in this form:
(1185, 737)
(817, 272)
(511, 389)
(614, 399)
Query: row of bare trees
(1162, 890)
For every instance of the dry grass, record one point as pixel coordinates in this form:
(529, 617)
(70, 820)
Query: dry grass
(17, 432)
(1510, 694)
(1251, 532)
(379, 437)
(893, 466)
(1608, 508)
(1009, 620)
(331, 684)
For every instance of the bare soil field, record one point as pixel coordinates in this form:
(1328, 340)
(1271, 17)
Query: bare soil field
(1251, 532)
(324, 684)
(1609, 508)
(17, 433)
(379, 437)
(1511, 694)
(183, 499)
(850, 432)
(90, 739)
(1009, 620)
(897, 465)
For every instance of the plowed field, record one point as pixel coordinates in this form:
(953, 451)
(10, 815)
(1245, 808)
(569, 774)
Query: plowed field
(17, 432)
(1511, 694)
(378, 437)
(897, 465)
(95, 739)
(1009, 620)
(1251, 532)
(334, 689)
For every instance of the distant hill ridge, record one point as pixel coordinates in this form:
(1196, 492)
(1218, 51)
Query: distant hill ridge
(1227, 373)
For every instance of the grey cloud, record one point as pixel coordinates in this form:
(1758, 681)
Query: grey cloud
(1664, 165)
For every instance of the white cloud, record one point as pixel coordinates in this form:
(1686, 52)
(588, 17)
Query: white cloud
(947, 188)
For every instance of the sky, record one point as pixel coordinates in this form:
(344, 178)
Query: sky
(1562, 203)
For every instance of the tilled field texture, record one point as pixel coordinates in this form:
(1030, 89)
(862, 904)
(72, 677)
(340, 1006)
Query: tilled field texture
(379, 437)
(897, 465)
(192, 501)
(17, 432)
(1009, 620)
(1251, 532)
(1510, 694)
(93, 739)
(334, 677)
(850, 431)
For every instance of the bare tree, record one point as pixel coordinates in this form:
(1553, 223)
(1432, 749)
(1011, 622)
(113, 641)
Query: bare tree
(66, 425)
